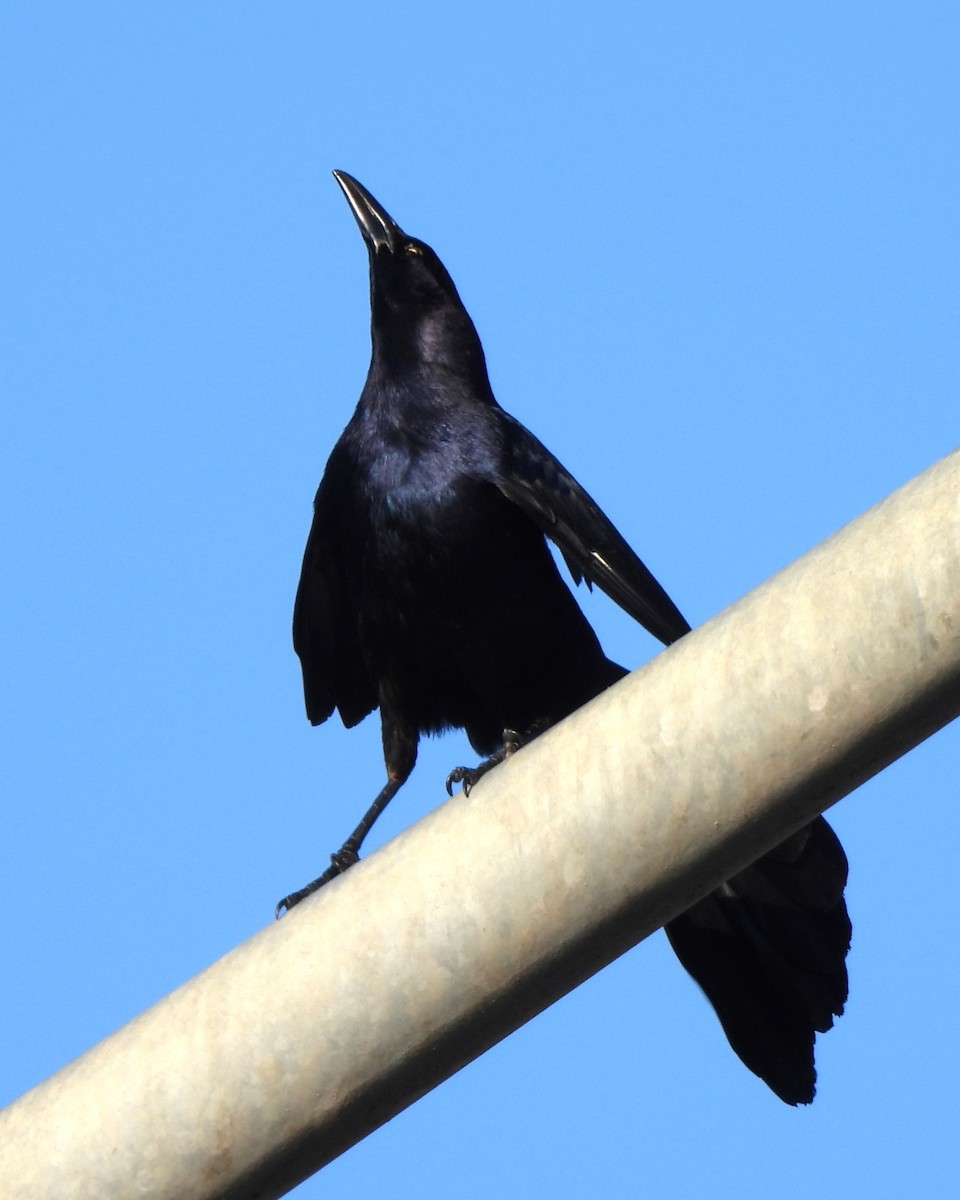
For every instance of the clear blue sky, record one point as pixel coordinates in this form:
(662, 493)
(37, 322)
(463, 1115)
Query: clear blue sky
(712, 252)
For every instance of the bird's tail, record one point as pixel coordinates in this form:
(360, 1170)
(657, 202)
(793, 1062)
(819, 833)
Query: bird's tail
(769, 951)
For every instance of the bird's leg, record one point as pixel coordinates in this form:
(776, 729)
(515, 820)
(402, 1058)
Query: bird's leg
(400, 754)
(349, 852)
(512, 742)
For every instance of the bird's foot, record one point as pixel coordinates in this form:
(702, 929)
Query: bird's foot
(345, 857)
(468, 776)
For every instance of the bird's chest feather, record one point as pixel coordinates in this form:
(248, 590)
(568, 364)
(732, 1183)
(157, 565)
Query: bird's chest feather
(427, 524)
(422, 488)
(434, 522)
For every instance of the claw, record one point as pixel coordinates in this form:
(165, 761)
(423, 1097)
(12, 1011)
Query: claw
(339, 862)
(466, 776)
(512, 742)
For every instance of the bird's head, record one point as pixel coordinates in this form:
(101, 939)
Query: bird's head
(415, 310)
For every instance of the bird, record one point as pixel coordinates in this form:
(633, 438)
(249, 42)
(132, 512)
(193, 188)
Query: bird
(428, 590)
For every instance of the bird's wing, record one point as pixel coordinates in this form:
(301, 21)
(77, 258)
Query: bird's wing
(325, 622)
(593, 549)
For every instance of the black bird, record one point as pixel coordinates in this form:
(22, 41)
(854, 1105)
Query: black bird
(428, 590)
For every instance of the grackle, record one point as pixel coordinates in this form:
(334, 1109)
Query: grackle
(428, 590)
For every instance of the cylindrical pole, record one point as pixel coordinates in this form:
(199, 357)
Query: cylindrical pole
(323, 1026)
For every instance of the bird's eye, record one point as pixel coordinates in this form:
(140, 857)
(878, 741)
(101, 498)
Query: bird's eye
(415, 250)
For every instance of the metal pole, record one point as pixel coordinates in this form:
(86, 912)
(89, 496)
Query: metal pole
(323, 1026)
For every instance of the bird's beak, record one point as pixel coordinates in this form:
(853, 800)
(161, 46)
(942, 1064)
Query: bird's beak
(376, 224)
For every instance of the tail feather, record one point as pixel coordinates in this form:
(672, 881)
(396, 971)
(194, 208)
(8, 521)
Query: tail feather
(769, 951)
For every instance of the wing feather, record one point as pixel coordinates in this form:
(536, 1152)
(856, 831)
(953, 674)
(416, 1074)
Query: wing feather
(325, 614)
(589, 542)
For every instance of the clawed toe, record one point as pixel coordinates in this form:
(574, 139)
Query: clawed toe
(344, 858)
(465, 776)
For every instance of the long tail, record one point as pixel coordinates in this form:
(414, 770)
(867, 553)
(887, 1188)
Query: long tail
(769, 951)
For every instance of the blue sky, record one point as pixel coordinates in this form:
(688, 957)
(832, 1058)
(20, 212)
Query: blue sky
(712, 253)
